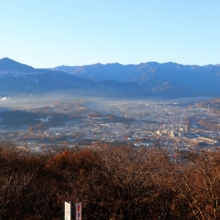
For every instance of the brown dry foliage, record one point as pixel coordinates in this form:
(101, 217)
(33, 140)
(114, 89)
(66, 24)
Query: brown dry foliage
(112, 183)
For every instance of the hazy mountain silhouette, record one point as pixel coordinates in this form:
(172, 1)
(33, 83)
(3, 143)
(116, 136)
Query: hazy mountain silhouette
(8, 65)
(99, 71)
(155, 78)
(17, 77)
(138, 73)
(142, 80)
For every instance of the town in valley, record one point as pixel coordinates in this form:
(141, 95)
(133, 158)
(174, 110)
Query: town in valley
(179, 124)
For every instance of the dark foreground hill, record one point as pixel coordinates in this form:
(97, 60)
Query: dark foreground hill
(136, 81)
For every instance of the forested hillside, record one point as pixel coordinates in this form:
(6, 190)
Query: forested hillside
(112, 183)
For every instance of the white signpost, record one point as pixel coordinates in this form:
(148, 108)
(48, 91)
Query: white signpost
(79, 211)
(67, 207)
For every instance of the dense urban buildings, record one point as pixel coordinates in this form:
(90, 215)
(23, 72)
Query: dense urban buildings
(177, 124)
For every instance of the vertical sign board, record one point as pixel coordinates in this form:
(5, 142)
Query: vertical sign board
(79, 211)
(67, 211)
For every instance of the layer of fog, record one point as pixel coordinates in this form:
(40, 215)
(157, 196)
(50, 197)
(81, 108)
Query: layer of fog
(21, 101)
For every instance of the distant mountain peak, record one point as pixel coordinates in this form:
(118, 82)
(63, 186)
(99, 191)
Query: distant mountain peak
(9, 65)
(5, 59)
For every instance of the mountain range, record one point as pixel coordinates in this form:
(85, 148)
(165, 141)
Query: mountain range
(141, 80)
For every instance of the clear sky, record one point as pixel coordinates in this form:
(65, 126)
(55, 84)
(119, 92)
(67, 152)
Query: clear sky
(49, 33)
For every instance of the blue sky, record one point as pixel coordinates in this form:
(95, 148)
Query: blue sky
(49, 33)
